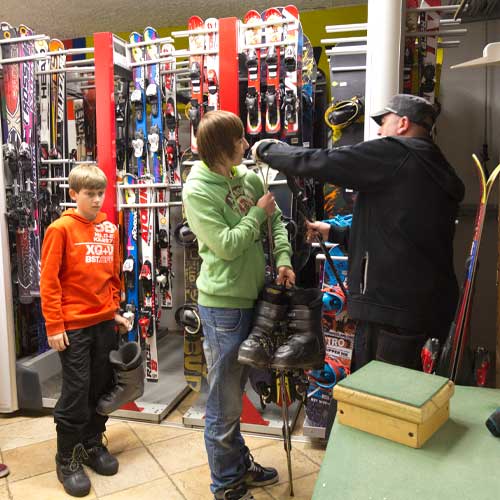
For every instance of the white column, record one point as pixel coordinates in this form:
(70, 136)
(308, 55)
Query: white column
(8, 387)
(384, 58)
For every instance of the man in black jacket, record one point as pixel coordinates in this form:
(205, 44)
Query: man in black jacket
(402, 284)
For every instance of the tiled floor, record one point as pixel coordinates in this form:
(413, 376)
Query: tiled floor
(157, 462)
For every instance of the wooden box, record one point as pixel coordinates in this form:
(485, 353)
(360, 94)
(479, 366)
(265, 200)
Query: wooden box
(399, 404)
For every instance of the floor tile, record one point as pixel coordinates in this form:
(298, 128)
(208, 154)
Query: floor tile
(180, 453)
(314, 450)
(42, 487)
(22, 433)
(153, 433)
(31, 460)
(194, 484)
(11, 418)
(302, 488)
(121, 437)
(136, 467)
(158, 489)
(4, 492)
(275, 456)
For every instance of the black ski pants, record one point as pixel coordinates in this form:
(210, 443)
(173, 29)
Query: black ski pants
(86, 375)
(397, 346)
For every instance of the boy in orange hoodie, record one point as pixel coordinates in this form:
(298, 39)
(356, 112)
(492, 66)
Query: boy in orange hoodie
(80, 292)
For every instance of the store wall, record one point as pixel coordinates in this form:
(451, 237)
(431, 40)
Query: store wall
(461, 132)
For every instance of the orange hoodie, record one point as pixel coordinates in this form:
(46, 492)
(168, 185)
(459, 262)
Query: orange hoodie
(80, 277)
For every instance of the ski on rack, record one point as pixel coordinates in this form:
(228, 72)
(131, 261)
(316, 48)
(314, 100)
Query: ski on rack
(273, 35)
(410, 59)
(152, 174)
(162, 296)
(43, 105)
(135, 167)
(17, 235)
(171, 117)
(29, 167)
(212, 62)
(196, 70)
(57, 144)
(253, 36)
(429, 21)
(292, 62)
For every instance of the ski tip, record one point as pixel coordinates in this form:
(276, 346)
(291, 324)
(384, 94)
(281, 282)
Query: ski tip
(24, 30)
(272, 12)
(292, 9)
(251, 15)
(55, 44)
(195, 22)
(150, 33)
(135, 37)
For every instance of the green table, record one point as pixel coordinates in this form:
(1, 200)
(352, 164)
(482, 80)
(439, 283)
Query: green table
(460, 462)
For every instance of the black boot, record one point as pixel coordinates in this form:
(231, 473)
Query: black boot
(304, 347)
(70, 471)
(129, 378)
(257, 350)
(99, 458)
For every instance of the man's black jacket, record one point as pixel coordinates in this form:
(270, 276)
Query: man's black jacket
(401, 241)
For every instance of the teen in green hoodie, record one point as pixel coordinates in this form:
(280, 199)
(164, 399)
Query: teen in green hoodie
(227, 210)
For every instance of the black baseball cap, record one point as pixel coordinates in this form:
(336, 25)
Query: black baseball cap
(417, 109)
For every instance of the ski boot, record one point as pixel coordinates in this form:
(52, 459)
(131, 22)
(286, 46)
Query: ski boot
(304, 347)
(70, 471)
(129, 378)
(236, 492)
(257, 350)
(99, 458)
(257, 475)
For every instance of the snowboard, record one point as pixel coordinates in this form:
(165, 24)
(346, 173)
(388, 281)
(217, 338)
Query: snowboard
(195, 367)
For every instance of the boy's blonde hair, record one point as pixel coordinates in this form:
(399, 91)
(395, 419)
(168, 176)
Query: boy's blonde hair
(87, 176)
(216, 137)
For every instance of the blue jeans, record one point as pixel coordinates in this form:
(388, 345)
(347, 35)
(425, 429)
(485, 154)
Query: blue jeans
(224, 330)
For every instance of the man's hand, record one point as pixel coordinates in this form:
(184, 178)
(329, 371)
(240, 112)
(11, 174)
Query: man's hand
(286, 276)
(58, 342)
(315, 228)
(255, 147)
(124, 325)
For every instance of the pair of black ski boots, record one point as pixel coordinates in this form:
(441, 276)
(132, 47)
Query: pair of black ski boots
(69, 463)
(303, 347)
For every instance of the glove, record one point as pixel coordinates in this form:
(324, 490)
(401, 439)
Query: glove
(254, 151)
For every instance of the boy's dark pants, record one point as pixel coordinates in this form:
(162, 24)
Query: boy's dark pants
(86, 375)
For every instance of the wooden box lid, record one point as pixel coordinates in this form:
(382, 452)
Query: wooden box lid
(395, 391)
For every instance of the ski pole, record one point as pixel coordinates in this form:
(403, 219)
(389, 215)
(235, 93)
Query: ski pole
(329, 259)
(286, 428)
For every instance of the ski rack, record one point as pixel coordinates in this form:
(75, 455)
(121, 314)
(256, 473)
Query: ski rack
(155, 185)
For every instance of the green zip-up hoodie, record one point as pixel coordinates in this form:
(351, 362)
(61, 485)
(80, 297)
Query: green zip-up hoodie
(229, 227)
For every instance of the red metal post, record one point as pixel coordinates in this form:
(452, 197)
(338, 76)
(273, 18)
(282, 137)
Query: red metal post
(105, 117)
(229, 91)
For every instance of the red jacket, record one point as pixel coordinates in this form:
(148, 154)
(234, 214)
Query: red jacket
(80, 276)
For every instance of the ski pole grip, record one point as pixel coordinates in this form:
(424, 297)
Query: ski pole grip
(493, 423)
